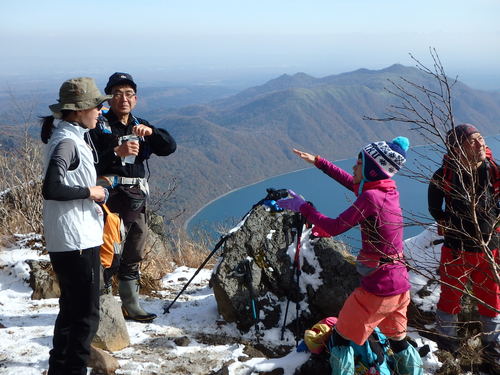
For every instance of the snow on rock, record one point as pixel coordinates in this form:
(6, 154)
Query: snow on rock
(190, 339)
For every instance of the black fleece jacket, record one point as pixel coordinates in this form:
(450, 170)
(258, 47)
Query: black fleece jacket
(461, 233)
(105, 139)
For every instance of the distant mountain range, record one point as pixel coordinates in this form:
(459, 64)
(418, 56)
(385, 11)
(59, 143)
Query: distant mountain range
(249, 136)
(234, 139)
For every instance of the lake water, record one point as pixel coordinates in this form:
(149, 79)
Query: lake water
(329, 197)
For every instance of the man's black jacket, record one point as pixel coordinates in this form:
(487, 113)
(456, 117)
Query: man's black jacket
(105, 139)
(460, 232)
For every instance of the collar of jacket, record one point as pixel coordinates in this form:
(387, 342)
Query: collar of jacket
(74, 127)
(112, 119)
(450, 165)
(387, 184)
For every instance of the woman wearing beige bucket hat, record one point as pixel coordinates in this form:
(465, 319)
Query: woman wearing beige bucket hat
(73, 221)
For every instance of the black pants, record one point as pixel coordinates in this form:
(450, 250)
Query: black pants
(78, 318)
(122, 201)
(133, 248)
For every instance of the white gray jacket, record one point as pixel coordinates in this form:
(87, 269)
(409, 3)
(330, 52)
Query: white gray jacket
(71, 220)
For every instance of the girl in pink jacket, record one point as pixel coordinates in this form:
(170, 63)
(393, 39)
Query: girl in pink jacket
(383, 297)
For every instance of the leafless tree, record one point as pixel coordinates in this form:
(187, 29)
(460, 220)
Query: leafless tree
(21, 174)
(427, 107)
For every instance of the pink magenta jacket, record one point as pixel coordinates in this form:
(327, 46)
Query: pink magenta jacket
(378, 212)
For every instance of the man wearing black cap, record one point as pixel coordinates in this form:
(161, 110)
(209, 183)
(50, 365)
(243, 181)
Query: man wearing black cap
(468, 184)
(124, 142)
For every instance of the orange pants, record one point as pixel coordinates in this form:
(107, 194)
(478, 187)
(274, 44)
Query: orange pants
(457, 270)
(363, 311)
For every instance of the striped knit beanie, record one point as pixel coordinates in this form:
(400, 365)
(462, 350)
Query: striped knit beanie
(383, 159)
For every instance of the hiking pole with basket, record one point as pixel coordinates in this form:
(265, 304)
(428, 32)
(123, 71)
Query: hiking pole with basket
(223, 239)
(244, 271)
(270, 201)
(299, 222)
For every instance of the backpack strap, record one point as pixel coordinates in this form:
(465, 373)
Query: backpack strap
(106, 209)
(447, 179)
(494, 172)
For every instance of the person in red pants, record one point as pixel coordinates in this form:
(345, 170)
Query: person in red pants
(463, 198)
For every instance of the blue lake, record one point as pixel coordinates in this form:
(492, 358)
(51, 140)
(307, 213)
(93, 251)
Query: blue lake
(329, 197)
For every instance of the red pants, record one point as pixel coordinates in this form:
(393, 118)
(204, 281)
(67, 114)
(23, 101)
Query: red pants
(458, 271)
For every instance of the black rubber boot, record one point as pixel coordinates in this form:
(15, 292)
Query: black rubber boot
(132, 310)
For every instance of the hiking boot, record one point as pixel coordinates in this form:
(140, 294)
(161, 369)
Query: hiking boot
(446, 324)
(132, 310)
(491, 329)
(450, 344)
(491, 358)
(446, 327)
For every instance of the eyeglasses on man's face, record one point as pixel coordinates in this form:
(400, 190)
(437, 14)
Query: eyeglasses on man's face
(129, 94)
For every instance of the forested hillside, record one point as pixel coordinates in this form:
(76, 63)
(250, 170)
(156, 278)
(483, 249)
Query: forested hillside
(247, 137)
(227, 140)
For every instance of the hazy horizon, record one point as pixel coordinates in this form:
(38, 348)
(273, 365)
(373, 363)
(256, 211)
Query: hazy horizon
(241, 44)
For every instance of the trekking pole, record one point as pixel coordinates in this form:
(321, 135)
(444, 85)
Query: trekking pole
(269, 200)
(296, 267)
(301, 219)
(217, 246)
(255, 311)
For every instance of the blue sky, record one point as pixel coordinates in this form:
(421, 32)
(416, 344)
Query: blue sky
(204, 40)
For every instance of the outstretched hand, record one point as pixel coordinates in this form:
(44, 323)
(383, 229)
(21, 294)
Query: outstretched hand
(293, 204)
(305, 156)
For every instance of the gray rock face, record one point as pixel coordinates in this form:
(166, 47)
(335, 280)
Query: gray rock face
(256, 269)
(42, 280)
(112, 334)
(102, 362)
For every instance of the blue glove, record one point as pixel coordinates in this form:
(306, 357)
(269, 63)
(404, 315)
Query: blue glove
(302, 347)
(293, 203)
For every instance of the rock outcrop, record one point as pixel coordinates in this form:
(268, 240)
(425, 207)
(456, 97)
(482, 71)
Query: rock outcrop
(43, 280)
(112, 334)
(255, 270)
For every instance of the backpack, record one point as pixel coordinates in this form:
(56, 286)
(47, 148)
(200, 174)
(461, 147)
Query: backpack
(113, 236)
(371, 358)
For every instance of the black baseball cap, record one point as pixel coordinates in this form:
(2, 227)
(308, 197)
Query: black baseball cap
(119, 79)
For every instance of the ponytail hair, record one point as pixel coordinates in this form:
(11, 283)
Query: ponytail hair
(48, 124)
(47, 128)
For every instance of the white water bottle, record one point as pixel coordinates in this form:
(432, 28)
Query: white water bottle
(130, 159)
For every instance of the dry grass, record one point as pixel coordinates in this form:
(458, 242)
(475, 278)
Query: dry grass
(161, 259)
(20, 189)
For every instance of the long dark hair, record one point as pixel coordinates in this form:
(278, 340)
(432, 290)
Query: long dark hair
(48, 125)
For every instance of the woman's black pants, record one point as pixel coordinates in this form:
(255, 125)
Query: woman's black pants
(78, 318)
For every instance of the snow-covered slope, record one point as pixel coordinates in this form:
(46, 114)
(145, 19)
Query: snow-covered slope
(25, 340)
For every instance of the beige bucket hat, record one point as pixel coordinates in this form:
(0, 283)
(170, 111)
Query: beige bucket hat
(78, 94)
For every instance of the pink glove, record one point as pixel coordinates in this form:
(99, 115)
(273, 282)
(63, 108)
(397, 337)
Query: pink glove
(293, 204)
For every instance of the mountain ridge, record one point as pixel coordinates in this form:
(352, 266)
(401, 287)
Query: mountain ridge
(234, 141)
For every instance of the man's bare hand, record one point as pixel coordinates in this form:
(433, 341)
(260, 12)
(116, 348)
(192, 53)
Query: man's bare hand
(142, 130)
(97, 193)
(127, 148)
